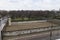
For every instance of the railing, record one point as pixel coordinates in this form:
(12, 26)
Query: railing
(3, 22)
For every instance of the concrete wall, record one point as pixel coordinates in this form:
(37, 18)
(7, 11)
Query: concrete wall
(29, 21)
(15, 33)
(29, 36)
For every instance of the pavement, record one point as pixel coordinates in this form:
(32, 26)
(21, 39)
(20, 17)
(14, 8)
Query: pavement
(40, 38)
(0, 35)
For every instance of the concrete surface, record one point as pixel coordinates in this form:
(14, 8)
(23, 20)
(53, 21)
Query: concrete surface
(0, 35)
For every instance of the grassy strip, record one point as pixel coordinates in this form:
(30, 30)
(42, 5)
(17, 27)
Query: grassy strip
(25, 19)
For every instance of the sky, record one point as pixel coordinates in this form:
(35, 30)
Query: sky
(29, 4)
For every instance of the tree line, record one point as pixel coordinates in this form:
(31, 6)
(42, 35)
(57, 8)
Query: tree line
(31, 14)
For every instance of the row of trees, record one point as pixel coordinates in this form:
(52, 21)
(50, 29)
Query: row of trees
(3, 13)
(30, 14)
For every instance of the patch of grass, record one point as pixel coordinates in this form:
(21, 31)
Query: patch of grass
(20, 19)
(25, 19)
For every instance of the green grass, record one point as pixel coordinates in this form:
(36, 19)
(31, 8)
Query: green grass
(24, 19)
(20, 19)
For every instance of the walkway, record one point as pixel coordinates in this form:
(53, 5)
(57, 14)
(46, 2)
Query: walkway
(3, 21)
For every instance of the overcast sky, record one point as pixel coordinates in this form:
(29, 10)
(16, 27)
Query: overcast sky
(29, 4)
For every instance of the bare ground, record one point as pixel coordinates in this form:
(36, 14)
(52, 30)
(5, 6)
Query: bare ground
(21, 26)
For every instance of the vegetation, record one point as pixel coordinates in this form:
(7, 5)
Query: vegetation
(27, 15)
